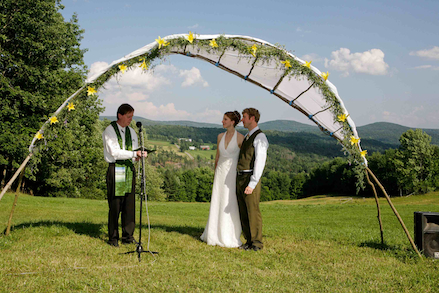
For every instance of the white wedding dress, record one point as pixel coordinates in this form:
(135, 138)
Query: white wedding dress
(223, 226)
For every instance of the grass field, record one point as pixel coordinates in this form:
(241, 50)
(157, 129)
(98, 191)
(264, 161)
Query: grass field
(164, 145)
(206, 154)
(319, 244)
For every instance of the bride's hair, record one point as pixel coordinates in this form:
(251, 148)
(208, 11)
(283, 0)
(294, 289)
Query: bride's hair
(234, 116)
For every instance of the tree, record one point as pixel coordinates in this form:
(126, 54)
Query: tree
(171, 184)
(383, 166)
(190, 183)
(205, 181)
(414, 162)
(42, 64)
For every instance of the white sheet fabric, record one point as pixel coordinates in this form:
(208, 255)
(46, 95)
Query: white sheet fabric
(267, 75)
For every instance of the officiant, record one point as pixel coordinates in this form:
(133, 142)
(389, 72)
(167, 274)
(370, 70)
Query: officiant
(120, 143)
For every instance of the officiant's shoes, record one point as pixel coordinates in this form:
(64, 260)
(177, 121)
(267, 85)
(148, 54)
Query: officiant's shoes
(112, 243)
(245, 246)
(129, 241)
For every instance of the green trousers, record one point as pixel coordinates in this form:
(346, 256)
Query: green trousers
(251, 218)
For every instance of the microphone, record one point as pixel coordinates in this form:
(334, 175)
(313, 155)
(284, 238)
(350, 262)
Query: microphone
(139, 124)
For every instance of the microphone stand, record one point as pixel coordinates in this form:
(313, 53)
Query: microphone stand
(139, 248)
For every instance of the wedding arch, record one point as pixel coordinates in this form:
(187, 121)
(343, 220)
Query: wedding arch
(271, 67)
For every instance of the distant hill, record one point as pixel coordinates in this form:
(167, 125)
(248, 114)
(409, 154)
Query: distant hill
(379, 135)
(178, 122)
(288, 126)
(389, 133)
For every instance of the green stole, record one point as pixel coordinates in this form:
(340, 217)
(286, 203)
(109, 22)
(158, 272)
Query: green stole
(124, 168)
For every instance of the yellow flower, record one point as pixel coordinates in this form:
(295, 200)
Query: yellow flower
(161, 42)
(39, 135)
(70, 106)
(307, 64)
(144, 66)
(123, 68)
(354, 140)
(286, 63)
(254, 48)
(53, 120)
(213, 43)
(325, 75)
(91, 91)
(342, 117)
(190, 37)
(363, 153)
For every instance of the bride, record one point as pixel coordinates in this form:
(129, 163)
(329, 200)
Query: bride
(223, 226)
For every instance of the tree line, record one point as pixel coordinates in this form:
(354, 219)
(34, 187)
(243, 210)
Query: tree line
(42, 64)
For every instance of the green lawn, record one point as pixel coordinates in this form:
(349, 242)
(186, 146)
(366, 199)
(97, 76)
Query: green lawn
(320, 244)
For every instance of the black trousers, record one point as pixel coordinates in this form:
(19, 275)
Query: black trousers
(118, 204)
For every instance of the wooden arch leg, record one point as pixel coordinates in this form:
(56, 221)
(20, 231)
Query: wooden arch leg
(395, 212)
(378, 207)
(7, 186)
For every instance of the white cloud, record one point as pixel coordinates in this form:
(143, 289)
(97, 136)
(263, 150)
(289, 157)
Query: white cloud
(136, 87)
(301, 30)
(423, 67)
(135, 77)
(192, 76)
(427, 67)
(311, 57)
(96, 67)
(416, 117)
(431, 53)
(193, 26)
(369, 62)
(163, 112)
(211, 116)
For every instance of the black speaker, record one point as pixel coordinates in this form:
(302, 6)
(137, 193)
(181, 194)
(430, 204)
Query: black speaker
(427, 233)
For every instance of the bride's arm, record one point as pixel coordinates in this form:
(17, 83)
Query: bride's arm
(240, 139)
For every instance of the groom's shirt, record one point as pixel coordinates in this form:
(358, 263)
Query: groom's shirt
(261, 146)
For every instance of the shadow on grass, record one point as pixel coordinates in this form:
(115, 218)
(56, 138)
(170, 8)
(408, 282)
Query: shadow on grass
(403, 254)
(379, 246)
(90, 229)
(194, 232)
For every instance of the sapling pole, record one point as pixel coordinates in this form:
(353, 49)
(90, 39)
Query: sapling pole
(8, 229)
(395, 212)
(378, 207)
(7, 186)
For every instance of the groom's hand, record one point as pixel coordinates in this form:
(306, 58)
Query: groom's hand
(248, 190)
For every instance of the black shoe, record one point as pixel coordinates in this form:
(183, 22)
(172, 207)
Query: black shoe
(254, 248)
(245, 246)
(112, 243)
(129, 241)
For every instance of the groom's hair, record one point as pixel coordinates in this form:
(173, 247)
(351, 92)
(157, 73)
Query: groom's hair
(252, 112)
(123, 109)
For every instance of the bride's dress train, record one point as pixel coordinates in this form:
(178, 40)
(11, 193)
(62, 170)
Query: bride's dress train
(223, 226)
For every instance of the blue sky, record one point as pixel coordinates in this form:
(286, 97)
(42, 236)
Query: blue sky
(383, 56)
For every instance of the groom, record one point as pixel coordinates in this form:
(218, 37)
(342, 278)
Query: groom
(251, 163)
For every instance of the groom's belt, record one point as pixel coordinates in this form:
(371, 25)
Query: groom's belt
(242, 172)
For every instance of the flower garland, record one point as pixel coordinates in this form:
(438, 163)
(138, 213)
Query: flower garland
(250, 50)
